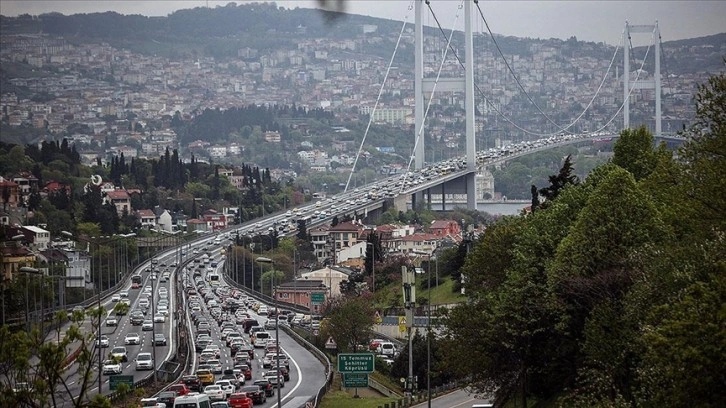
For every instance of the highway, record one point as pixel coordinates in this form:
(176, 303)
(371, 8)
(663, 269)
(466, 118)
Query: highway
(117, 334)
(315, 213)
(307, 374)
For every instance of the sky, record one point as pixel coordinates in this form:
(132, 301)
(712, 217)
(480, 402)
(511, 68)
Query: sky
(599, 21)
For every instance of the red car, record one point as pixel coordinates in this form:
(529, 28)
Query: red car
(239, 400)
(180, 389)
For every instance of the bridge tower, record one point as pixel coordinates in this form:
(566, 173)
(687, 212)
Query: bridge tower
(641, 83)
(423, 86)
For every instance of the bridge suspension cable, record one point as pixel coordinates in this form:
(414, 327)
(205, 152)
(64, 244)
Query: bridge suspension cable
(378, 98)
(433, 91)
(632, 87)
(529, 97)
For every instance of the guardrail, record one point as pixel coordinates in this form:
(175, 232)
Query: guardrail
(299, 339)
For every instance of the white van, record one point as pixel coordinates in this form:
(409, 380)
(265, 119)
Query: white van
(386, 348)
(192, 401)
(261, 339)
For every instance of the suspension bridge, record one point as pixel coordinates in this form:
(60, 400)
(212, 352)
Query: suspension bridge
(454, 181)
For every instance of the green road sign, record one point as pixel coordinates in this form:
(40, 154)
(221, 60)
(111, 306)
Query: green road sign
(116, 380)
(317, 298)
(356, 362)
(355, 380)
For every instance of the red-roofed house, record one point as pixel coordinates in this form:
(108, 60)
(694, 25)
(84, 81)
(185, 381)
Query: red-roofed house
(12, 190)
(216, 220)
(120, 199)
(147, 219)
(444, 228)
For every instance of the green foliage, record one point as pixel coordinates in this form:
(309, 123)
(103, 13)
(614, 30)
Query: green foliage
(634, 152)
(612, 294)
(349, 321)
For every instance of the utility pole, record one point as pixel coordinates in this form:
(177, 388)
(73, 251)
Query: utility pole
(409, 298)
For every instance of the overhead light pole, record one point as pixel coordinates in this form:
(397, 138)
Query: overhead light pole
(263, 259)
(98, 305)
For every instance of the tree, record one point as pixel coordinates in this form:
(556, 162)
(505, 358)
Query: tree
(560, 181)
(374, 252)
(349, 321)
(28, 358)
(634, 152)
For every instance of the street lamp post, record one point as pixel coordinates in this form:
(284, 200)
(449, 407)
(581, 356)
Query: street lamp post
(153, 319)
(98, 335)
(262, 259)
(98, 305)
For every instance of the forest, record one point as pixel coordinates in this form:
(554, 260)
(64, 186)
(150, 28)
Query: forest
(611, 292)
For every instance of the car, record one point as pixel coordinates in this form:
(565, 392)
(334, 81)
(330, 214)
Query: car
(120, 352)
(132, 339)
(216, 365)
(124, 294)
(180, 389)
(167, 397)
(147, 325)
(102, 342)
(270, 324)
(116, 298)
(159, 339)
(215, 392)
(152, 403)
(227, 387)
(111, 367)
(136, 317)
(255, 392)
(245, 370)
(206, 377)
(266, 386)
(111, 321)
(159, 318)
(277, 382)
(220, 404)
(144, 361)
(192, 382)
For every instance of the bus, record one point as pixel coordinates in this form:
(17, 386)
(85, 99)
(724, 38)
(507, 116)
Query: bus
(135, 281)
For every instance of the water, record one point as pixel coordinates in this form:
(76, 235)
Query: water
(491, 208)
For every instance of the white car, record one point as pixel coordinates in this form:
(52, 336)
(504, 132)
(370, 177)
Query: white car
(115, 298)
(215, 392)
(159, 318)
(147, 325)
(102, 342)
(111, 367)
(119, 352)
(144, 362)
(132, 338)
(226, 386)
(111, 321)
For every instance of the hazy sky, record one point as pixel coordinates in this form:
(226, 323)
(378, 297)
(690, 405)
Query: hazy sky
(587, 20)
